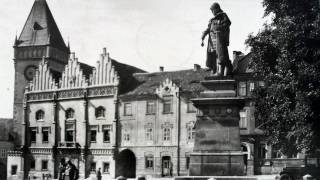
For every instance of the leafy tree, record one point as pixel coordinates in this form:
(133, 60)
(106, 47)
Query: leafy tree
(286, 53)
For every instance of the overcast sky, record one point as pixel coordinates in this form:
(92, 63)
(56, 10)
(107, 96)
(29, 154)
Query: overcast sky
(143, 33)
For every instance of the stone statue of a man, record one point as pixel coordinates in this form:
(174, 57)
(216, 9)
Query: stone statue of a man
(218, 42)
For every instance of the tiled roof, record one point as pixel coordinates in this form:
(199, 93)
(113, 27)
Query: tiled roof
(125, 71)
(41, 28)
(186, 80)
(241, 65)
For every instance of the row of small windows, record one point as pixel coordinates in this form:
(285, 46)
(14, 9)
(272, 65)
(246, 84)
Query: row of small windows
(151, 107)
(70, 133)
(44, 165)
(246, 88)
(166, 134)
(44, 131)
(149, 162)
(69, 113)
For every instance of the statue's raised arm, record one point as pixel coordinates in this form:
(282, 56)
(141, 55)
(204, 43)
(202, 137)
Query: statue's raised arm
(217, 51)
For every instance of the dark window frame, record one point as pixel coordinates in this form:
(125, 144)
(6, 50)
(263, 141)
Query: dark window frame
(167, 105)
(104, 165)
(33, 134)
(44, 165)
(150, 107)
(126, 111)
(40, 115)
(73, 129)
(149, 162)
(93, 167)
(69, 113)
(100, 112)
(47, 130)
(33, 164)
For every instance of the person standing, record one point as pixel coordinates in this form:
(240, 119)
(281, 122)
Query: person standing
(99, 174)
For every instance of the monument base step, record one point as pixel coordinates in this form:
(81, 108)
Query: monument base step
(215, 177)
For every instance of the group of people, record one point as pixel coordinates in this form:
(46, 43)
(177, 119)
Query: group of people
(67, 171)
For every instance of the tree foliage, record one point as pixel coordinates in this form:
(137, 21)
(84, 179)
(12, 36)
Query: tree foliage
(286, 53)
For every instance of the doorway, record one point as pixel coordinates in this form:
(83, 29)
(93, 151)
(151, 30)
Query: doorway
(166, 166)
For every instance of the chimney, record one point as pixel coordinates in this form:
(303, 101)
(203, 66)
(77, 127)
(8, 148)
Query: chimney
(104, 51)
(161, 68)
(196, 67)
(236, 54)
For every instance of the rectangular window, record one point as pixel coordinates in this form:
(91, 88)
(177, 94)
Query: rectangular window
(33, 164)
(187, 162)
(70, 132)
(45, 134)
(93, 133)
(126, 136)
(149, 134)
(166, 134)
(14, 169)
(106, 167)
(191, 133)
(33, 134)
(251, 86)
(242, 89)
(243, 119)
(106, 133)
(167, 105)
(44, 165)
(191, 107)
(93, 167)
(151, 107)
(149, 162)
(127, 109)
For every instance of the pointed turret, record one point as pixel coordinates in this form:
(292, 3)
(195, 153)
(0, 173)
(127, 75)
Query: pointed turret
(41, 29)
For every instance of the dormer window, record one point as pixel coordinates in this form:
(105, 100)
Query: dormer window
(69, 113)
(39, 115)
(100, 112)
(36, 26)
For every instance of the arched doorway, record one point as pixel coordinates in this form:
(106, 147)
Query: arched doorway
(126, 164)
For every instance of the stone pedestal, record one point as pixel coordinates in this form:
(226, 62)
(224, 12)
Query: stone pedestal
(217, 142)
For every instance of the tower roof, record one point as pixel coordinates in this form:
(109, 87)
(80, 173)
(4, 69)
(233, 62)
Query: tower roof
(41, 28)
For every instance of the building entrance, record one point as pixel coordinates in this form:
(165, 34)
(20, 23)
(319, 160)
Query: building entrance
(166, 166)
(126, 164)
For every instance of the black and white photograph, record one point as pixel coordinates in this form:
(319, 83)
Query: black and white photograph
(160, 90)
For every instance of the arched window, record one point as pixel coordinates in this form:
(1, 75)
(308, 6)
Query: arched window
(39, 115)
(100, 112)
(69, 113)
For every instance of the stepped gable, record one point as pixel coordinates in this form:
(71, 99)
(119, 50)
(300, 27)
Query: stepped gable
(187, 80)
(43, 79)
(110, 72)
(73, 75)
(104, 73)
(41, 29)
